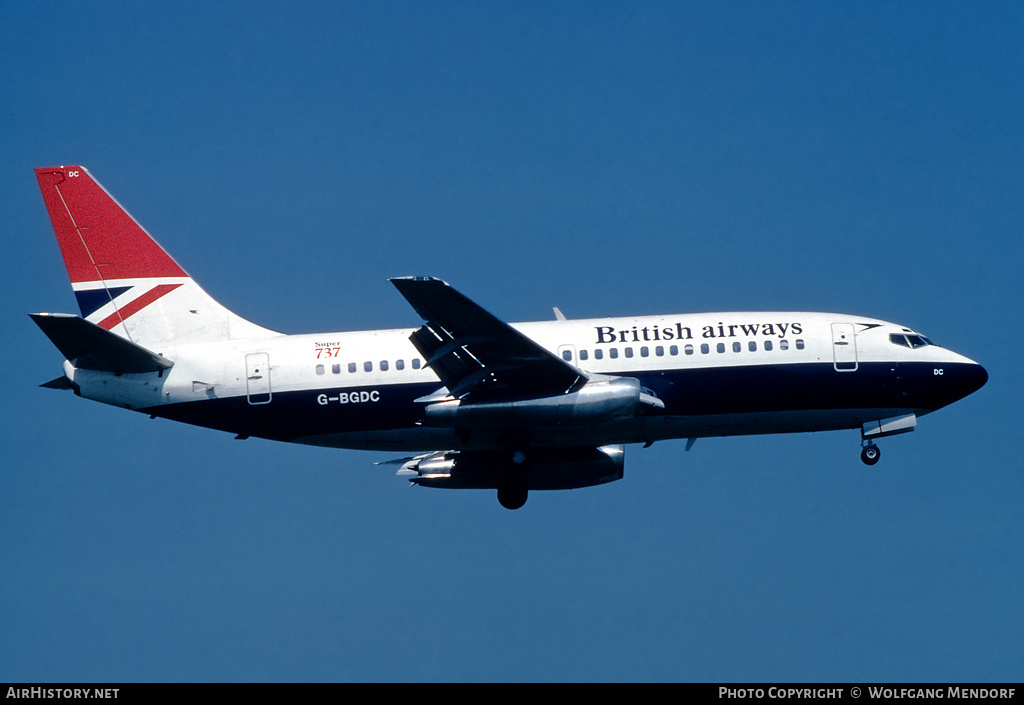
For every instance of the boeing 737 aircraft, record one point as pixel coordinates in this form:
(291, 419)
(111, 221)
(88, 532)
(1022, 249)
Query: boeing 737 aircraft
(476, 402)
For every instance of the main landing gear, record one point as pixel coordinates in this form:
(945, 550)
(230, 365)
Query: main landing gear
(512, 492)
(870, 454)
(514, 487)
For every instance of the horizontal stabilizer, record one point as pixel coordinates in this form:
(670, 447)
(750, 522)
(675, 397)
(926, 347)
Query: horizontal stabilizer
(89, 347)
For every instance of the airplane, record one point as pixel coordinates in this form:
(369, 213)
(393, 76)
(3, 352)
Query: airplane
(478, 403)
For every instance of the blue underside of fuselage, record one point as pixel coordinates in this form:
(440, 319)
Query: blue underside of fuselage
(751, 399)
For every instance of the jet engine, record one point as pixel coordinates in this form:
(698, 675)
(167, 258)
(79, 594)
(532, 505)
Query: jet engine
(514, 473)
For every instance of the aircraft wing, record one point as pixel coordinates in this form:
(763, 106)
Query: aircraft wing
(473, 351)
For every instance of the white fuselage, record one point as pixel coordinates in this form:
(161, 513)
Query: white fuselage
(767, 372)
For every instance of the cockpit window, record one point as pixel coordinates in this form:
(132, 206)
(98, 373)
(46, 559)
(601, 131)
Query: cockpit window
(910, 340)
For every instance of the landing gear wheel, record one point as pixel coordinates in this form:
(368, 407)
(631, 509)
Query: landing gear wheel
(513, 487)
(512, 493)
(870, 454)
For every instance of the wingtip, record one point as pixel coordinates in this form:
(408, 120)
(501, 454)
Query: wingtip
(395, 280)
(411, 283)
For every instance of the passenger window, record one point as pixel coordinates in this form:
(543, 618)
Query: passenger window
(567, 355)
(688, 349)
(752, 346)
(720, 347)
(737, 347)
(598, 354)
(399, 364)
(367, 366)
(584, 354)
(319, 369)
(613, 353)
(644, 352)
(783, 345)
(416, 363)
(768, 345)
(629, 352)
(351, 367)
(799, 344)
(336, 369)
(383, 365)
(704, 349)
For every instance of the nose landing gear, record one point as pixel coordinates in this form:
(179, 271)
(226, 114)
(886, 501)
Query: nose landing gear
(870, 454)
(890, 426)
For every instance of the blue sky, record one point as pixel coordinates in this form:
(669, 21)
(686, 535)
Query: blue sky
(606, 158)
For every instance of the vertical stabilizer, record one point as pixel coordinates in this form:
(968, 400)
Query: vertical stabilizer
(123, 280)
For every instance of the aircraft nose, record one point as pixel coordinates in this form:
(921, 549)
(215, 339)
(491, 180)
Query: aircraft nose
(977, 376)
(968, 378)
(958, 381)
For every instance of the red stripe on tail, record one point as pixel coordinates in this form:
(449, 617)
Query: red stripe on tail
(137, 305)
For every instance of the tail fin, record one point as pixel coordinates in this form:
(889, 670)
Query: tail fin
(123, 280)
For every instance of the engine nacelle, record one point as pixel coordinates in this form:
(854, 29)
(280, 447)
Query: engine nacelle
(544, 469)
(599, 401)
